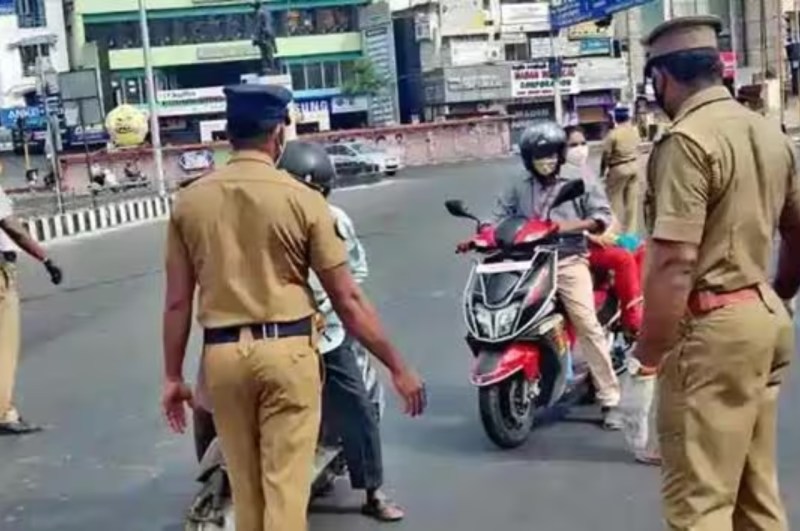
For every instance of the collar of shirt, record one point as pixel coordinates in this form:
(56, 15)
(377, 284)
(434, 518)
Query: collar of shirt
(251, 155)
(543, 195)
(700, 99)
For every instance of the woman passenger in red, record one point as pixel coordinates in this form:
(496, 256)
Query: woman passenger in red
(622, 254)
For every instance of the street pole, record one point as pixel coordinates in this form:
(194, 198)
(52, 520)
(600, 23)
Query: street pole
(53, 130)
(556, 75)
(631, 81)
(155, 130)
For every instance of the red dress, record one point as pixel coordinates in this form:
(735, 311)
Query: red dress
(627, 268)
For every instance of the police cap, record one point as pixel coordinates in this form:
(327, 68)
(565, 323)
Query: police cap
(254, 102)
(683, 33)
(622, 113)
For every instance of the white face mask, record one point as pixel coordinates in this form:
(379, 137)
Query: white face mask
(578, 155)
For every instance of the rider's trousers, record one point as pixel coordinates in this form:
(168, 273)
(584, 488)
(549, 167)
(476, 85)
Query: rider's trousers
(576, 291)
(353, 416)
(9, 341)
(266, 400)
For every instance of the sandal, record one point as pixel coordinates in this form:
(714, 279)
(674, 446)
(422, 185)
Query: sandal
(382, 510)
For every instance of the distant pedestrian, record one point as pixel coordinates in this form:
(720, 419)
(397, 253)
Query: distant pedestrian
(621, 159)
(12, 232)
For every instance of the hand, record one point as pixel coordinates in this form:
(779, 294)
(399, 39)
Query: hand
(173, 397)
(411, 389)
(56, 275)
(600, 241)
(463, 247)
(570, 226)
(649, 361)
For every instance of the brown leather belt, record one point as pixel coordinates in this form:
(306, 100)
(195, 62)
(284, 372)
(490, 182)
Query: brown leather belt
(706, 301)
(620, 163)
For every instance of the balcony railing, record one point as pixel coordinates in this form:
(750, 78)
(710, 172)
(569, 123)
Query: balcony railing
(31, 20)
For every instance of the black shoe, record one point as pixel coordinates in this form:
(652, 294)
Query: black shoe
(18, 427)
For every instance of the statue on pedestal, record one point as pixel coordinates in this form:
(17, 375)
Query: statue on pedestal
(264, 39)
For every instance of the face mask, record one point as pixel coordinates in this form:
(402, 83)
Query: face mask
(545, 167)
(659, 95)
(578, 155)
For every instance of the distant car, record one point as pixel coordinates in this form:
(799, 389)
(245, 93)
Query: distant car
(364, 153)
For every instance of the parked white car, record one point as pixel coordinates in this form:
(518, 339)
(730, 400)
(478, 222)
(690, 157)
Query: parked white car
(364, 153)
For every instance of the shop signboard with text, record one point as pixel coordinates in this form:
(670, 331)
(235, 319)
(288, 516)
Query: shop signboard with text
(477, 83)
(462, 17)
(525, 18)
(602, 73)
(533, 80)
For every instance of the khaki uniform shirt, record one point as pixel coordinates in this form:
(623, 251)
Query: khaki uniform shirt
(6, 211)
(251, 232)
(723, 178)
(621, 145)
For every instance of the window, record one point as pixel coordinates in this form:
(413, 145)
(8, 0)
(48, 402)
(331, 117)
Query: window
(30, 54)
(348, 71)
(331, 72)
(314, 75)
(517, 52)
(222, 28)
(30, 13)
(298, 73)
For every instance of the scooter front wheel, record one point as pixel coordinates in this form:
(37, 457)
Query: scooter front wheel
(507, 411)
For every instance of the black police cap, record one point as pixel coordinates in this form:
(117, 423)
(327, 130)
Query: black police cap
(255, 102)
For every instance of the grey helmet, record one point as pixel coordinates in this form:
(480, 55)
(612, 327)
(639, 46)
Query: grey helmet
(542, 139)
(309, 163)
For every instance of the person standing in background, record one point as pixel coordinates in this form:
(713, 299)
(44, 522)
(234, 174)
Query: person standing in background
(621, 159)
(12, 235)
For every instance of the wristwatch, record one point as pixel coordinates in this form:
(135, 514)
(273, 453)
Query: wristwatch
(635, 368)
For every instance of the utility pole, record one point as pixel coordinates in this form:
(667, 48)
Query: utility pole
(555, 74)
(52, 142)
(631, 81)
(155, 130)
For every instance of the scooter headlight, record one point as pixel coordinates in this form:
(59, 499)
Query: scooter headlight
(483, 318)
(506, 318)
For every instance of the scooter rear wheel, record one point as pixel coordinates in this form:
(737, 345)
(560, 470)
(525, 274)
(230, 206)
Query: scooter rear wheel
(507, 411)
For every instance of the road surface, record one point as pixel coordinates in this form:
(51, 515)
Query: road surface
(91, 372)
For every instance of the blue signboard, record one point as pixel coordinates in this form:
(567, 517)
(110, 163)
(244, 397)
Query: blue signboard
(34, 117)
(7, 7)
(572, 12)
(595, 46)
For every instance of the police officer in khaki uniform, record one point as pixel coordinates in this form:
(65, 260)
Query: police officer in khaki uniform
(721, 181)
(620, 157)
(12, 232)
(246, 235)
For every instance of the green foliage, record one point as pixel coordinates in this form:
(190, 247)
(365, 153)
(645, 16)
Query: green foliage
(364, 79)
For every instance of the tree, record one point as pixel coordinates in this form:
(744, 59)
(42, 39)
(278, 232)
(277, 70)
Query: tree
(364, 80)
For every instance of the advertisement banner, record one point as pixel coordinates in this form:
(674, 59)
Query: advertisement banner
(602, 73)
(462, 17)
(728, 64)
(468, 52)
(524, 18)
(595, 46)
(532, 80)
(7, 7)
(33, 117)
(541, 48)
(572, 12)
(588, 30)
(478, 83)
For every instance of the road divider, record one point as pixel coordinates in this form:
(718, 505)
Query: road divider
(94, 220)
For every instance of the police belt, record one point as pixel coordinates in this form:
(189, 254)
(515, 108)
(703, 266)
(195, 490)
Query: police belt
(231, 334)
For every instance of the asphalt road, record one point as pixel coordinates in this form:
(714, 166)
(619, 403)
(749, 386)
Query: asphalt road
(91, 372)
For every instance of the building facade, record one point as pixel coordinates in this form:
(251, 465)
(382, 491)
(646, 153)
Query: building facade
(199, 46)
(29, 29)
(490, 57)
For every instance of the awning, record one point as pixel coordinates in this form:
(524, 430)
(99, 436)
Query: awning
(33, 40)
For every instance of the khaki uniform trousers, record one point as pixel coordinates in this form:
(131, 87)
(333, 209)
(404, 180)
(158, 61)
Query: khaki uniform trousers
(622, 188)
(717, 409)
(576, 292)
(266, 396)
(9, 341)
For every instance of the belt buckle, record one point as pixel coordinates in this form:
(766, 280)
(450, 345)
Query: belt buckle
(270, 331)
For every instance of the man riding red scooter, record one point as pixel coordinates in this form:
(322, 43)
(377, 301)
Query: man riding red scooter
(543, 149)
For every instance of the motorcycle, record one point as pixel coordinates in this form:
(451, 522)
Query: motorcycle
(517, 329)
(212, 506)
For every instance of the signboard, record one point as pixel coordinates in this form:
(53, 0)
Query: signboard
(197, 160)
(343, 104)
(571, 12)
(378, 48)
(588, 30)
(476, 83)
(463, 17)
(314, 112)
(34, 117)
(221, 52)
(728, 64)
(186, 102)
(472, 52)
(541, 47)
(524, 18)
(7, 7)
(595, 46)
(533, 80)
(602, 73)
(95, 134)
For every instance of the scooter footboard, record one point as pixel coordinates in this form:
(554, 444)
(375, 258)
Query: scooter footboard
(492, 366)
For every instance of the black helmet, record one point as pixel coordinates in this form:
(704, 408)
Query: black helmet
(309, 163)
(542, 139)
